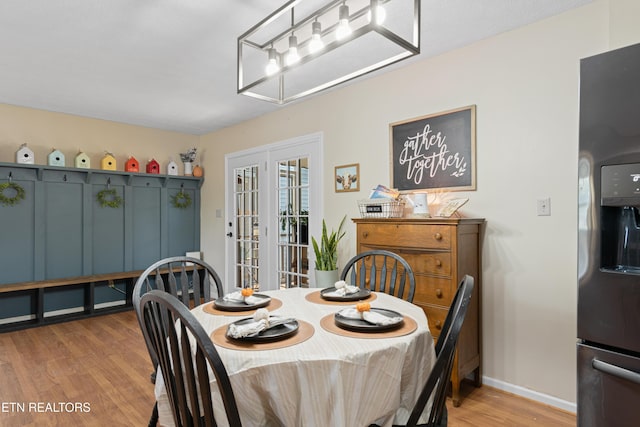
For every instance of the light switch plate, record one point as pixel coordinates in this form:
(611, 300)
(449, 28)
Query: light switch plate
(544, 207)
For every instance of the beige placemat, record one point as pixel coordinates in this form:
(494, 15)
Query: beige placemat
(328, 324)
(210, 308)
(305, 331)
(316, 298)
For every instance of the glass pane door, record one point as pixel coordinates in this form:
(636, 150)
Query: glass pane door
(273, 200)
(247, 235)
(293, 220)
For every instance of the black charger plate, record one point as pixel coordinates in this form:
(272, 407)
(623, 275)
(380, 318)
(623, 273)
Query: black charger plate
(276, 333)
(360, 295)
(223, 305)
(360, 325)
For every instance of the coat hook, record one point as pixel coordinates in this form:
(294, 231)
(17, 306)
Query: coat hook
(64, 178)
(10, 176)
(108, 183)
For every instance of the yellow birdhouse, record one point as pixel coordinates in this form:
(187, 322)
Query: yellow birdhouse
(82, 161)
(56, 158)
(108, 162)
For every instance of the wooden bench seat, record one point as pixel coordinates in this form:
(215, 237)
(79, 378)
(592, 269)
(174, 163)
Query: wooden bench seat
(37, 290)
(22, 286)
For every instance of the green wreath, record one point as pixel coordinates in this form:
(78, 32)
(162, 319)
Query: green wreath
(109, 198)
(11, 201)
(181, 200)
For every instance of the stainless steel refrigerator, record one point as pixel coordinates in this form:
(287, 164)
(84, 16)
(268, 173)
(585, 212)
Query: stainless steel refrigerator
(608, 349)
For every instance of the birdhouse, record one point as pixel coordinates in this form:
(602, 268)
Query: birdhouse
(24, 155)
(172, 168)
(132, 165)
(153, 167)
(82, 161)
(56, 158)
(108, 162)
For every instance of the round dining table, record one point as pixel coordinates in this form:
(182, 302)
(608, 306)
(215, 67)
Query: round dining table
(323, 375)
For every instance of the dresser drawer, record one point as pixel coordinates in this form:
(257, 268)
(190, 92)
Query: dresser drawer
(435, 317)
(438, 263)
(433, 290)
(406, 235)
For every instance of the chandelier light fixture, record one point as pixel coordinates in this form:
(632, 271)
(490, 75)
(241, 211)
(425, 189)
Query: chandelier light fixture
(305, 47)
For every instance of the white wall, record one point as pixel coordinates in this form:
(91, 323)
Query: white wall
(525, 84)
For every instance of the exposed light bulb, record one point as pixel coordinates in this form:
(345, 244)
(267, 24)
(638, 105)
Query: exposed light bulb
(292, 55)
(272, 66)
(381, 15)
(344, 29)
(316, 44)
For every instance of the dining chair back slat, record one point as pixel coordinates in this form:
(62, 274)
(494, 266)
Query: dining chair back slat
(185, 353)
(381, 271)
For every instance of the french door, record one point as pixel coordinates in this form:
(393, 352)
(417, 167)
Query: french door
(273, 199)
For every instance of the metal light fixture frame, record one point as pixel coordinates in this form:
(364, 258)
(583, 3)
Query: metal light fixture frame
(411, 47)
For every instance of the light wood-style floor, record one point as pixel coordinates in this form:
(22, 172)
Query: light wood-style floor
(95, 372)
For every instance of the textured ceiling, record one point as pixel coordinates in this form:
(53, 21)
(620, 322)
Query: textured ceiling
(171, 64)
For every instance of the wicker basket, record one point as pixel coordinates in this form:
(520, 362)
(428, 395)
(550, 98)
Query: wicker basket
(381, 208)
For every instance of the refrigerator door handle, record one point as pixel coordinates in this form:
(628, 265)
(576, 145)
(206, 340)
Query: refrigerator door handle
(616, 371)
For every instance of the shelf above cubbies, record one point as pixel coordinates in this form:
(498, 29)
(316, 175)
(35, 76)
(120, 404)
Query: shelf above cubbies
(89, 174)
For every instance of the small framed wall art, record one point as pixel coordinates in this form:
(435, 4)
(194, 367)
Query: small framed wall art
(347, 178)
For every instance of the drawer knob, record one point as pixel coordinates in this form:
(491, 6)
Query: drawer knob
(438, 324)
(438, 263)
(439, 293)
(437, 236)
(365, 234)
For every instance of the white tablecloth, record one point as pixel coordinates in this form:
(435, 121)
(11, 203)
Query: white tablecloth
(328, 380)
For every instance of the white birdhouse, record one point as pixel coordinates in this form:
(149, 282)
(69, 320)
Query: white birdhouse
(24, 155)
(56, 158)
(83, 161)
(172, 168)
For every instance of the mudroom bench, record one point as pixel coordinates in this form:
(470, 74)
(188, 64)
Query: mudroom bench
(86, 295)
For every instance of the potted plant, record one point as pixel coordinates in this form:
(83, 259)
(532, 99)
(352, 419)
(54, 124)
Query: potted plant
(327, 255)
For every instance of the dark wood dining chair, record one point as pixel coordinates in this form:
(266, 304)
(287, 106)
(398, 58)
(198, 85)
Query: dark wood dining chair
(189, 279)
(439, 379)
(381, 271)
(171, 327)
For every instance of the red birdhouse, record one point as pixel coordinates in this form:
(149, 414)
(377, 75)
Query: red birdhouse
(153, 167)
(132, 165)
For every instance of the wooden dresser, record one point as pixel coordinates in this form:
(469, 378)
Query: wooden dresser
(440, 252)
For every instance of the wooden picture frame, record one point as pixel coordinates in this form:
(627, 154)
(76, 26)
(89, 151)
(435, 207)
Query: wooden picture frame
(347, 178)
(437, 151)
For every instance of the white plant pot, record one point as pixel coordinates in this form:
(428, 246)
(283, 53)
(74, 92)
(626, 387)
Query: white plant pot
(188, 168)
(326, 279)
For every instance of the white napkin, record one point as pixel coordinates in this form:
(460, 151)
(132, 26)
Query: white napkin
(370, 317)
(261, 322)
(342, 289)
(238, 297)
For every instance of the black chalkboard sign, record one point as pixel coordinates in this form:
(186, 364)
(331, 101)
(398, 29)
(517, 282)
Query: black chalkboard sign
(435, 151)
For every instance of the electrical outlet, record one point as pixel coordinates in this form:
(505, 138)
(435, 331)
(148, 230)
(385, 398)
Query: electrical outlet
(544, 207)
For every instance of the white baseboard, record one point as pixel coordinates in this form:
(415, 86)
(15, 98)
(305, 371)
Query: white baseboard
(530, 394)
(63, 311)
(17, 319)
(109, 304)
